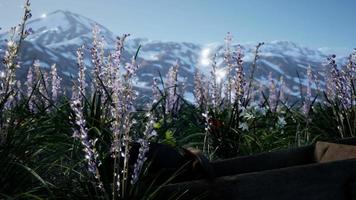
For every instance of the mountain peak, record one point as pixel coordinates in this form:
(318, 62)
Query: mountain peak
(63, 25)
(63, 14)
(60, 11)
(60, 18)
(285, 42)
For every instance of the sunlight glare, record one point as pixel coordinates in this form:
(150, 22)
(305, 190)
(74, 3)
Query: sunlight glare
(220, 75)
(204, 57)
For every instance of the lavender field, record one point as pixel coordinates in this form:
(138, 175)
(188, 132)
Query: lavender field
(86, 114)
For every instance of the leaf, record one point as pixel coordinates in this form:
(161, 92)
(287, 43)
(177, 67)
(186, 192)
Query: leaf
(157, 125)
(169, 138)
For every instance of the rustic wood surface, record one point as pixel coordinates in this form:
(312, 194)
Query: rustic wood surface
(287, 175)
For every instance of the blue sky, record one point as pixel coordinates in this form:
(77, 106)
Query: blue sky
(313, 23)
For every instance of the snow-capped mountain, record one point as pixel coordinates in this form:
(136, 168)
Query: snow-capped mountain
(63, 28)
(57, 36)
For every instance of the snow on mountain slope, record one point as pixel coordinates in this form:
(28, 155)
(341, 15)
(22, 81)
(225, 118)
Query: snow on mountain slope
(61, 26)
(57, 36)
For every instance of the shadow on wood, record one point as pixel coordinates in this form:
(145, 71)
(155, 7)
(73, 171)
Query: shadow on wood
(291, 174)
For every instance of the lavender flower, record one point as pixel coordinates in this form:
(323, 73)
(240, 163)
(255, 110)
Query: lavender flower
(44, 90)
(144, 148)
(332, 77)
(9, 77)
(128, 97)
(118, 52)
(8, 80)
(91, 155)
(97, 57)
(131, 69)
(228, 58)
(307, 98)
(351, 65)
(121, 110)
(182, 88)
(27, 8)
(253, 69)
(316, 79)
(215, 85)
(29, 88)
(351, 73)
(81, 133)
(345, 91)
(199, 89)
(172, 93)
(55, 83)
(239, 77)
(282, 89)
(10, 58)
(41, 94)
(272, 98)
(339, 85)
(117, 103)
(81, 75)
(155, 91)
(227, 51)
(207, 92)
(115, 84)
(207, 130)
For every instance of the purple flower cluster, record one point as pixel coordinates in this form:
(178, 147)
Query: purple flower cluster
(340, 82)
(200, 89)
(148, 134)
(39, 85)
(273, 96)
(215, 85)
(276, 93)
(282, 90)
(91, 155)
(207, 126)
(55, 83)
(239, 81)
(155, 91)
(8, 76)
(97, 55)
(308, 98)
(29, 88)
(229, 80)
(76, 104)
(172, 84)
(229, 60)
(79, 91)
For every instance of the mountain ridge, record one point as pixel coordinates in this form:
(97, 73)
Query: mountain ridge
(57, 36)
